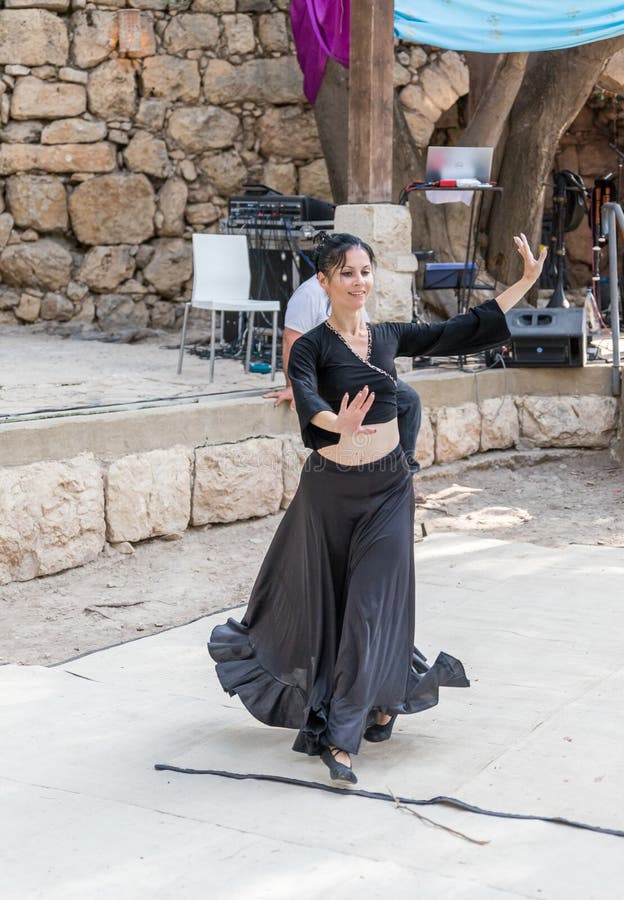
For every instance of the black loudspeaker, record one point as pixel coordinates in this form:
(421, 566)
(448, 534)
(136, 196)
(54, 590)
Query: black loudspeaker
(555, 336)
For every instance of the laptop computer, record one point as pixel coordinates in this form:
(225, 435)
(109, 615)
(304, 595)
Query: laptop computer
(453, 163)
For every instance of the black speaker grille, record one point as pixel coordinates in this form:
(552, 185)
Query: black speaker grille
(544, 353)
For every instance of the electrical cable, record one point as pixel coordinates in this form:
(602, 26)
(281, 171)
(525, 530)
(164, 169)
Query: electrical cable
(295, 246)
(597, 312)
(122, 405)
(264, 242)
(378, 795)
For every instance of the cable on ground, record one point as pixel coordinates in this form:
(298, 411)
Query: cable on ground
(378, 795)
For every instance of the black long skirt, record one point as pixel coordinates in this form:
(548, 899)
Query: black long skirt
(327, 639)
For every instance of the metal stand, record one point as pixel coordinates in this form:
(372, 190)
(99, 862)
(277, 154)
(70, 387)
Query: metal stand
(558, 297)
(465, 290)
(612, 213)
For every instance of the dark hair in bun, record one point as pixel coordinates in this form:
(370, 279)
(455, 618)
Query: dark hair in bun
(330, 251)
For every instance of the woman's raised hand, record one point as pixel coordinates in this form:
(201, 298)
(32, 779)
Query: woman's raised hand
(532, 267)
(351, 415)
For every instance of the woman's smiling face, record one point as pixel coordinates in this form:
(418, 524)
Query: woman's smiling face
(349, 285)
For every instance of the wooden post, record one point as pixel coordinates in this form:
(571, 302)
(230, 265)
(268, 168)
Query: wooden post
(371, 64)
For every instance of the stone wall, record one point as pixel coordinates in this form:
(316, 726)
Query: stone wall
(454, 432)
(111, 158)
(59, 514)
(430, 82)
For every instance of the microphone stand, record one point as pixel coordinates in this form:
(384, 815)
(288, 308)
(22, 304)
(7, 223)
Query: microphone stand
(558, 298)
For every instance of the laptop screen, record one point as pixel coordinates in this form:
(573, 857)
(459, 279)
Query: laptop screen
(452, 163)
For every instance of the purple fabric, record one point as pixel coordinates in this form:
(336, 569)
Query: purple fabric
(320, 29)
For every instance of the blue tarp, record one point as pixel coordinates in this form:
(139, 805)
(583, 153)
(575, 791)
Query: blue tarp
(486, 26)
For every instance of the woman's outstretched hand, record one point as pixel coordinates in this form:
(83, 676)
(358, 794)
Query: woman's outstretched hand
(532, 270)
(532, 266)
(351, 415)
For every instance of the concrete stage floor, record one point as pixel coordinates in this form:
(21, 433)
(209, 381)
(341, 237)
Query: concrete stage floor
(540, 731)
(44, 372)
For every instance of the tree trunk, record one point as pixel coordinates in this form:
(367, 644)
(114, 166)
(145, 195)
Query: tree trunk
(441, 228)
(549, 96)
(444, 228)
(493, 101)
(555, 87)
(482, 68)
(331, 112)
(495, 92)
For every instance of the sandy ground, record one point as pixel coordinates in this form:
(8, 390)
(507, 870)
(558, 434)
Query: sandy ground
(43, 373)
(549, 498)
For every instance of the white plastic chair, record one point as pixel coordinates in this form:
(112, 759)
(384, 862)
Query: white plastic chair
(221, 282)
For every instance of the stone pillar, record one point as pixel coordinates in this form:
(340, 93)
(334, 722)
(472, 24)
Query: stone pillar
(388, 229)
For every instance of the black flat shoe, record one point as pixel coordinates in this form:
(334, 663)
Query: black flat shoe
(337, 770)
(377, 733)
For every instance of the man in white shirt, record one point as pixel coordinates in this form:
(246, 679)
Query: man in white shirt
(307, 308)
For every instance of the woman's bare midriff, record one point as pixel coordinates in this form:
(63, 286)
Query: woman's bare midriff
(364, 448)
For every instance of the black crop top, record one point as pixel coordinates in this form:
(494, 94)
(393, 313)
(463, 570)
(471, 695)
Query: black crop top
(323, 367)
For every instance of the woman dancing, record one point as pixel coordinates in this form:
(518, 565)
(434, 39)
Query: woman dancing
(326, 644)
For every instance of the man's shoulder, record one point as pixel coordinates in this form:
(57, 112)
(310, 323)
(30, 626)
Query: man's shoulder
(310, 289)
(307, 307)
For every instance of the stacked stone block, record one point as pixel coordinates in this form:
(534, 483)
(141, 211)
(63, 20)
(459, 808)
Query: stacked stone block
(430, 84)
(59, 514)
